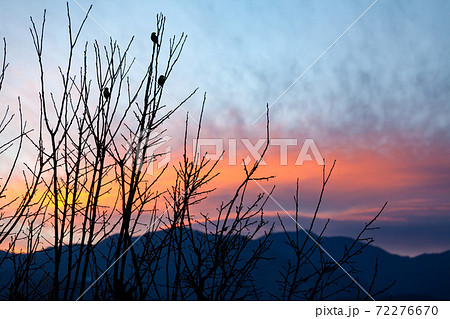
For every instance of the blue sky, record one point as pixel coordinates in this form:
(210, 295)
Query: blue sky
(392, 63)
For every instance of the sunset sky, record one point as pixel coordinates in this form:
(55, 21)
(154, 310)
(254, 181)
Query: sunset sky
(377, 101)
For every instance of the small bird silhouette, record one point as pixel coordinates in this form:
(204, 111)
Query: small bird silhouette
(162, 79)
(154, 38)
(106, 93)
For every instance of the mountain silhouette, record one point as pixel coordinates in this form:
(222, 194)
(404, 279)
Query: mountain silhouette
(425, 277)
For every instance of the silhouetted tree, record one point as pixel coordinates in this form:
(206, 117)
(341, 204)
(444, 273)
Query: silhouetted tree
(314, 274)
(91, 186)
